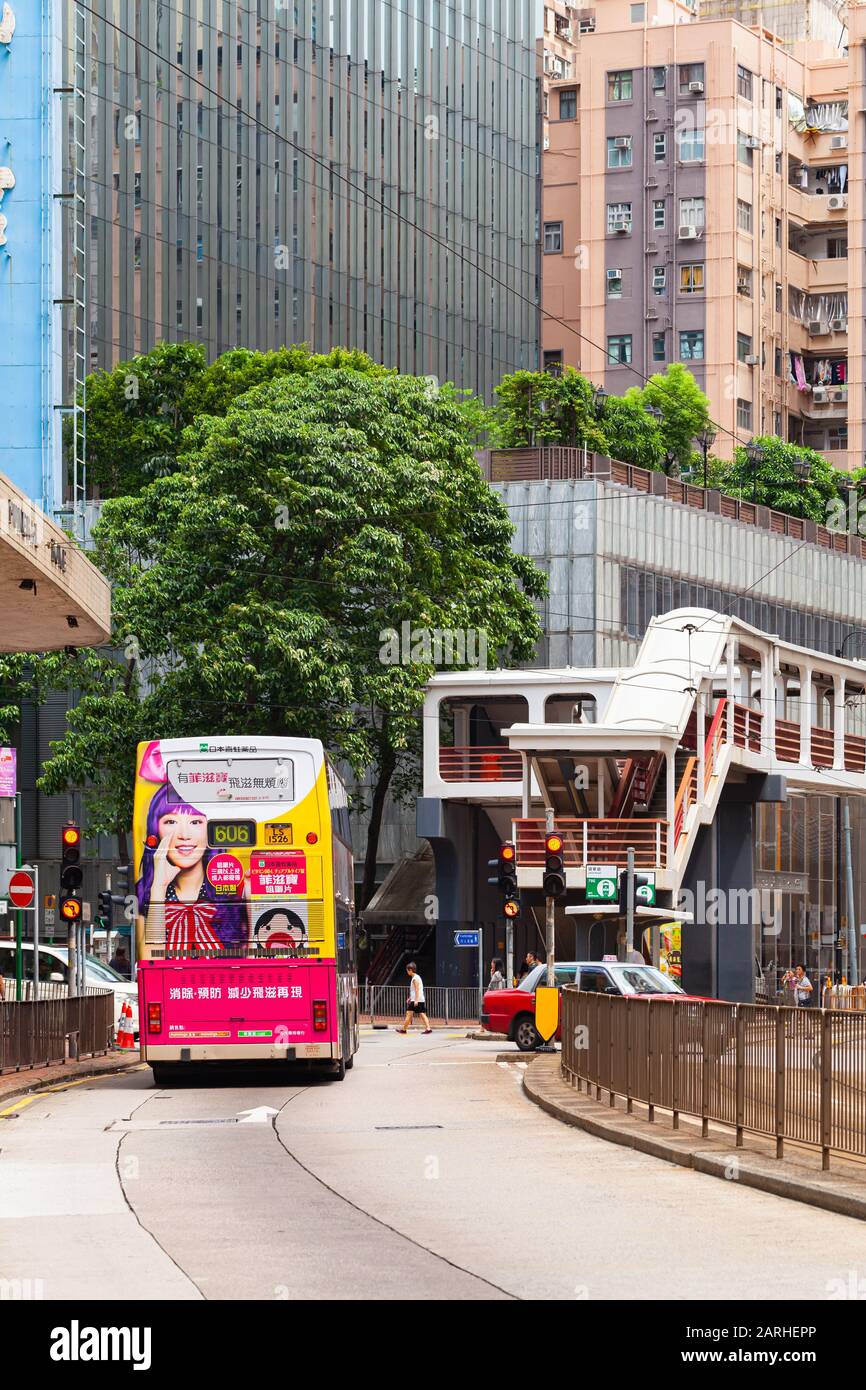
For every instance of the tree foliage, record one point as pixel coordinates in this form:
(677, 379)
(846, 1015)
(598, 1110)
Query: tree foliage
(254, 586)
(776, 483)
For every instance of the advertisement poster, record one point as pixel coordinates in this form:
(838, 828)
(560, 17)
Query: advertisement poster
(8, 772)
(202, 871)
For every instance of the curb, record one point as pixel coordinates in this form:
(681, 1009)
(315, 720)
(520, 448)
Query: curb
(33, 1087)
(541, 1081)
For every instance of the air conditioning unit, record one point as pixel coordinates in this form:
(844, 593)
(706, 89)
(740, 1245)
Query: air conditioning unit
(696, 87)
(816, 329)
(837, 201)
(838, 142)
(547, 142)
(743, 287)
(819, 395)
(688, 233)
(752, 142)
(751, 360)
(840, 395)
(839, 325)
(614, 275)
(622, 142)
(587, 26)
(621, 225)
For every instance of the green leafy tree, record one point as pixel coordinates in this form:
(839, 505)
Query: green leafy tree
(632, 434)
(776, 483)
(543, 408)
(257, 589)
(685, 412)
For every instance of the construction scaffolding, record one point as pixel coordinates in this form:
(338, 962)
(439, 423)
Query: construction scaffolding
(792, 21)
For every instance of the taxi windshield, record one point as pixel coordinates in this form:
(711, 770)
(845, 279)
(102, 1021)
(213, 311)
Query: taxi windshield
(643, 979)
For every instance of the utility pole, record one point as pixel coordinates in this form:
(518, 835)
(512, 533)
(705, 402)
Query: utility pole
(853, 962)
(625, 938)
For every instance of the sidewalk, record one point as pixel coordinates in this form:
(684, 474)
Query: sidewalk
(798, 1176)
(21, 1083)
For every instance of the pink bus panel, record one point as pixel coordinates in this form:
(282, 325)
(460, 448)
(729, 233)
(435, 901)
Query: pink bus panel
(238, 1001)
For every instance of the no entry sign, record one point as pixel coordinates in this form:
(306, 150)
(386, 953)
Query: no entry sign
(21, 889)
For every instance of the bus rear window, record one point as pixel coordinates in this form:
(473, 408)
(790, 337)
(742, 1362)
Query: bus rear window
(197, 780)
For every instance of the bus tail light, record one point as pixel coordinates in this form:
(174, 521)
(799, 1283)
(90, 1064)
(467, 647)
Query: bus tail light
(154, 1018)
(320, 1015)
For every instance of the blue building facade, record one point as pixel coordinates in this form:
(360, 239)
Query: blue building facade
(30, 248)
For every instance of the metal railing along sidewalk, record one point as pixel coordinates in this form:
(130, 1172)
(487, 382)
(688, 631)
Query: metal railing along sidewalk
(41, 1032)
(445, 1003)
(787, 1073)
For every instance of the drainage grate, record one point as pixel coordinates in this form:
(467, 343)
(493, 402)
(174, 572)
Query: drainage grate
(407, 1126)
(197, 1122)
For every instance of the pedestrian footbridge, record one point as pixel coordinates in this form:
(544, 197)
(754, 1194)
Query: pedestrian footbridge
(638, 757)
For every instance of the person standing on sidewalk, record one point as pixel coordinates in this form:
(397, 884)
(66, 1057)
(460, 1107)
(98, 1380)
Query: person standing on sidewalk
(802, 987)
(497, 979)
(417, 1004)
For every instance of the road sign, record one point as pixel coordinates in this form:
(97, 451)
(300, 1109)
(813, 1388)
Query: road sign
(466, 938)
(48, 916)
(645, 893)
(546, 1012)
(601, 883)
(21, 889)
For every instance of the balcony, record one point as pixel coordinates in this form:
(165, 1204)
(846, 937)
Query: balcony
(491, 764)
(595, 842)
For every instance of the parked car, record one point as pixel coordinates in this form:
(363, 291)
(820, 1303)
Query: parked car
(54, 972)
(512, 1011)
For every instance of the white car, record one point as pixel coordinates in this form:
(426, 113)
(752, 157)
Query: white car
(54, 972)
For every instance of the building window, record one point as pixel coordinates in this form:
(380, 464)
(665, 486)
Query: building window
(552, 238)
(619, 217)
(745, 149)
(660, 147)
(619, 151)
(778, 161)
(690, 145)
(744, 215)
(691, 73)
(691, 279)
(659, 79)
(660, 279)
(659, 217)
(553, 362)
(778, 231)
(744, 347)
(619, 350)
(614, 284)
(692, 345)
(744, 280)
(777, 361)
(638, 14)
(568, 104)
(620, 85)
(837, 248)
(692, 212)
(778, 299)
(744, 83)
(744, 415)
(659, 353)
(778, 101)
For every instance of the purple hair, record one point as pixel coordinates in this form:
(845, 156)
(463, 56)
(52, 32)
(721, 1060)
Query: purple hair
(231, 924)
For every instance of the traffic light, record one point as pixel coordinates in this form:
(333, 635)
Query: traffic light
(70, 872)
(505, 879)
(105, 905)
(554, 866)
(641, 882)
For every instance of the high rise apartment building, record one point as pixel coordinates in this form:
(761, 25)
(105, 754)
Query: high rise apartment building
(703, 203)
(349, 172)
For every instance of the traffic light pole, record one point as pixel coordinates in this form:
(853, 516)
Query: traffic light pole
(625, 945)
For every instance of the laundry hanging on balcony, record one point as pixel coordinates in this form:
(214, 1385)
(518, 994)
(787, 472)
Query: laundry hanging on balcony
(798, 373)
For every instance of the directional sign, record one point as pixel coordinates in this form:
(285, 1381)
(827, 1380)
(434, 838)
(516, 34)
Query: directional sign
(21, 889)
(466, 938)
(601, 883)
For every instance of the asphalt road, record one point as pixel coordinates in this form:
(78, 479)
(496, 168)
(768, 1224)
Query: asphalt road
(425, 1174)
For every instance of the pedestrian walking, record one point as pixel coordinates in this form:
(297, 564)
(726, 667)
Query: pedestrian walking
(417, 1004)
(529, 963)
(497, 979)
(120, 962)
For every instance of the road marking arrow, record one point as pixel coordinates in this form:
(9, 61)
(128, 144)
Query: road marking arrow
(260, 1116)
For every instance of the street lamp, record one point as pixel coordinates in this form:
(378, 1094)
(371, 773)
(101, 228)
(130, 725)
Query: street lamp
(705, 441)
(599, 396)
(802, 468)
(755, 455)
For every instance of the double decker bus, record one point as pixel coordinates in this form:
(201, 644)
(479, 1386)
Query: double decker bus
(244, 905)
